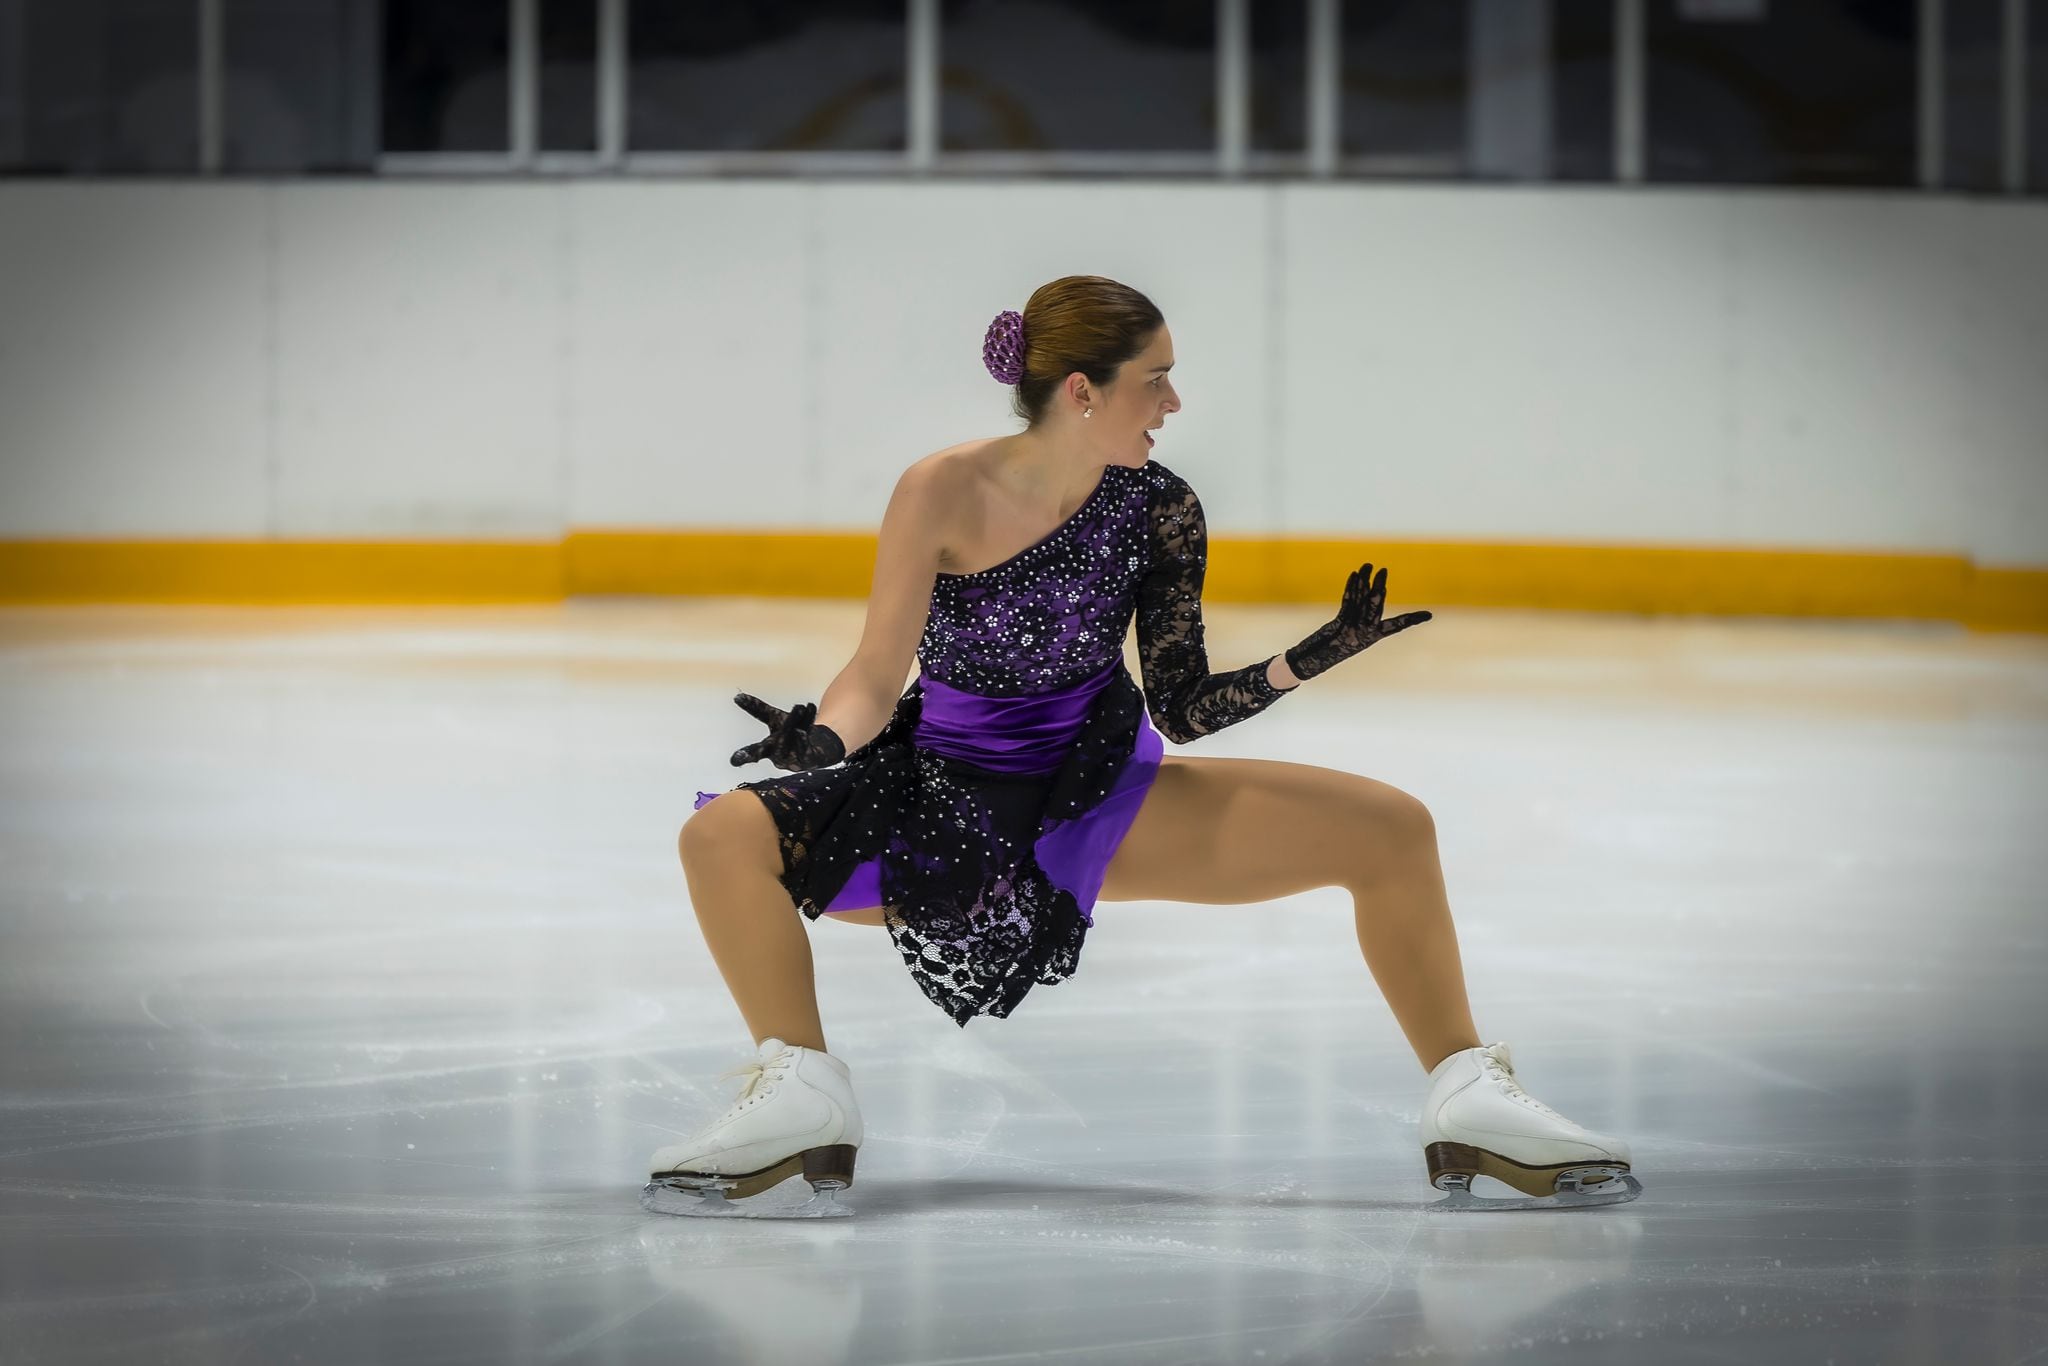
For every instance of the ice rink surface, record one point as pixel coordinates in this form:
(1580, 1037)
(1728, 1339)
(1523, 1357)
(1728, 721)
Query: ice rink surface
(348, 978)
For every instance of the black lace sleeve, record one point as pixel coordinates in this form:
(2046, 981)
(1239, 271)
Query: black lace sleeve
(1184, 698)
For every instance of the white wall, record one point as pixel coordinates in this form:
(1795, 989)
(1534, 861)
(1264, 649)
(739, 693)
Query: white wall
(449, 359)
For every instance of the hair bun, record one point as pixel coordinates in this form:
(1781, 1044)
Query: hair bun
(1002, 351)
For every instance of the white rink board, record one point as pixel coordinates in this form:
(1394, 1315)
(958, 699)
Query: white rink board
(440, 359)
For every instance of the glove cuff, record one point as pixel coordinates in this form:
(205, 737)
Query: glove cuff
(826, 746)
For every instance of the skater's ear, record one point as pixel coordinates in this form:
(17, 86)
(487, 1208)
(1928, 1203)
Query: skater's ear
(906, 560)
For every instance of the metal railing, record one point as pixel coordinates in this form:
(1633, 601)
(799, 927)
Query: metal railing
(1321, 156)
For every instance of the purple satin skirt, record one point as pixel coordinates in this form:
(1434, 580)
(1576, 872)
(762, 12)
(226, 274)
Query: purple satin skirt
(1028, 735)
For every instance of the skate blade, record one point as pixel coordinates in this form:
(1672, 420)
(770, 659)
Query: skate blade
(755, 1195)
(711, 1201)
(1593, 1181)
(1573, 1192)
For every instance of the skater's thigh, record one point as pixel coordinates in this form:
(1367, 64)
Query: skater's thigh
(1233, 831)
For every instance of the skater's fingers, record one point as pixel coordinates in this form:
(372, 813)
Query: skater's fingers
(1402, 623)
(747, 754)
(771, 716)
(1354, 592)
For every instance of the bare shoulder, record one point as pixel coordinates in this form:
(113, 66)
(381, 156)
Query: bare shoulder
(954, 485)
(915, 539)
(959, 469)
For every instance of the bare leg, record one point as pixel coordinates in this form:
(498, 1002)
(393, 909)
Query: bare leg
(1411, 949)
(760, 942)
(1237, 831)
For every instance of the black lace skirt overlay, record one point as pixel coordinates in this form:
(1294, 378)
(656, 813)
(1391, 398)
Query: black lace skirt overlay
(966, 902)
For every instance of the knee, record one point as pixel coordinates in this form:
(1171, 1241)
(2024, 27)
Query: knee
(1395, 822)
(1408, 819)
(705, 828)
(731, 826)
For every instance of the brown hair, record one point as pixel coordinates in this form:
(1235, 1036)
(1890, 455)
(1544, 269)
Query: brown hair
(1079, 322)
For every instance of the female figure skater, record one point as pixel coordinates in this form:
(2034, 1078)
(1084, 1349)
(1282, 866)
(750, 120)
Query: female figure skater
(1020, 779)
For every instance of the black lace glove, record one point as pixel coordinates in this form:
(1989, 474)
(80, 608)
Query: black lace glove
(795, 741)
(1356, 626)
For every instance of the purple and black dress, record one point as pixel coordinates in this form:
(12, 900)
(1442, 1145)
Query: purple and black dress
(983, 815)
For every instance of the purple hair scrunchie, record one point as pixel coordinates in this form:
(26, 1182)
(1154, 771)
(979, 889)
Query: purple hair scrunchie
(1003, 349)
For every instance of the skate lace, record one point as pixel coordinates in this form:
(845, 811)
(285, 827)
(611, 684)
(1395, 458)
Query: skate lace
(756, 1072)
(1500, 1066)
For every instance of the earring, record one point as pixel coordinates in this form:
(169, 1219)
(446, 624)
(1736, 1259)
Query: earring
(1088, 412)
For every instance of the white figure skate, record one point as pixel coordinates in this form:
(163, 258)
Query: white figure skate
(796, 1114)
(1477, 1120)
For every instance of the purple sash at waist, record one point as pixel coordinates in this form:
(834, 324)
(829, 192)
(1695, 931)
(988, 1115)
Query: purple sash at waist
(1007, 734)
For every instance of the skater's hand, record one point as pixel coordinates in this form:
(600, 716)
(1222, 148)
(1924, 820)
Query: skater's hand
(1356, 625)
(795, 741)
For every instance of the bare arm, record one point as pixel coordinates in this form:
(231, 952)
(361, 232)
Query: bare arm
(863, 696)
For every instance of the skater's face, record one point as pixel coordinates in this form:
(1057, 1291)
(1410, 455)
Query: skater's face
(1136, 403)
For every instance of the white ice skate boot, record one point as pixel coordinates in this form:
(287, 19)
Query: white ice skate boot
(1477, 1120)
(796, 1113)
